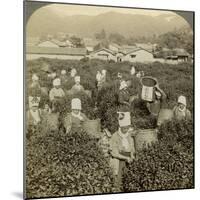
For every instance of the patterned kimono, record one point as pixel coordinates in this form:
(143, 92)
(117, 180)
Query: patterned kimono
(180, 115)
(34, 118)
(56, 97)
(33, 121)
(125, 148)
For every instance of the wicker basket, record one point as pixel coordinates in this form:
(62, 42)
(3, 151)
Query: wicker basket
(52, 121)
(93, 127)
(164, 116)
(69, 93)
(44, 91)
(145, 138)
(148, 84)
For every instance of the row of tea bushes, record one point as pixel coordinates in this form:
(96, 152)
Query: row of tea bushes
(66, 165)
(169, 164)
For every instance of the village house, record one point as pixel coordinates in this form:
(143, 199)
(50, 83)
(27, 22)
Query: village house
(90, 44)
(136, 55)
(182, 55)
(34, 52)
(69, 44)
(173, 56)
(131, 55)
(177, 55)
(48, 43)
(147, 46)
(126, 48)
(120, 56)
(103, 54)
(55, 43)
(114, 47)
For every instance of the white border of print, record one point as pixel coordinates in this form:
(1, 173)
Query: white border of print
(11, 101)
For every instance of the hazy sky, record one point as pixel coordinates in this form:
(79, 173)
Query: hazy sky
(62, 10)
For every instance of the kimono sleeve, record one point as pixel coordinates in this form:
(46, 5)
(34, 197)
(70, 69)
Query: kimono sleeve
(62, 93)
(132, 144)
(188, 115)
(121, 97)
(51, 95)
(82, 88)
(113, 144)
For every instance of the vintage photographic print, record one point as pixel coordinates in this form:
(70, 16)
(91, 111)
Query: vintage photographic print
(109, 100)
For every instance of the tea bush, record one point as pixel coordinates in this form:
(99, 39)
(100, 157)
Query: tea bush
(168, 164)
(59, 164)
(66, 165)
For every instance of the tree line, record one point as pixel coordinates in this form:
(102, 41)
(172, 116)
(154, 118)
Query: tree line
(178, 38)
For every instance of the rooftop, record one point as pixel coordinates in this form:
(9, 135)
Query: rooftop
(58, 51)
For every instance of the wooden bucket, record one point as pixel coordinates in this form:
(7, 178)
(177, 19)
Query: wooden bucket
(93, 127)
(148, 84)
(164, 116)
(145, 138)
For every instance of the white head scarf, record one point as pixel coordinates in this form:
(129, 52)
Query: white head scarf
(33, 101)
(73, 72)
(124, 119)
(77, 79)
(103, 72)
(98, 76)
(63, 72)
(138, 75)
(56, 82)
(119, 75)
(182, 100)
(133, 70)
(76, 104)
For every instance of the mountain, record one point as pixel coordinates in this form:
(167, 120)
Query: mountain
(46, 21)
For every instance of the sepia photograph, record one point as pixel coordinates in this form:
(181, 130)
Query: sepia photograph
(108, 99)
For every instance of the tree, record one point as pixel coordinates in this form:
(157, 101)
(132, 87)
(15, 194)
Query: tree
(169, 40)
(102, 44)
(101, 35)
(182, 38)
(117, 38)
(76, 41)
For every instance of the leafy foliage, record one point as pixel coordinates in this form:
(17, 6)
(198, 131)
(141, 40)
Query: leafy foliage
(59, 164)
(166, 165)
(66, 165)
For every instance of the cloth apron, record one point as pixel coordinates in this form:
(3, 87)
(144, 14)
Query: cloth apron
(118, 166)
